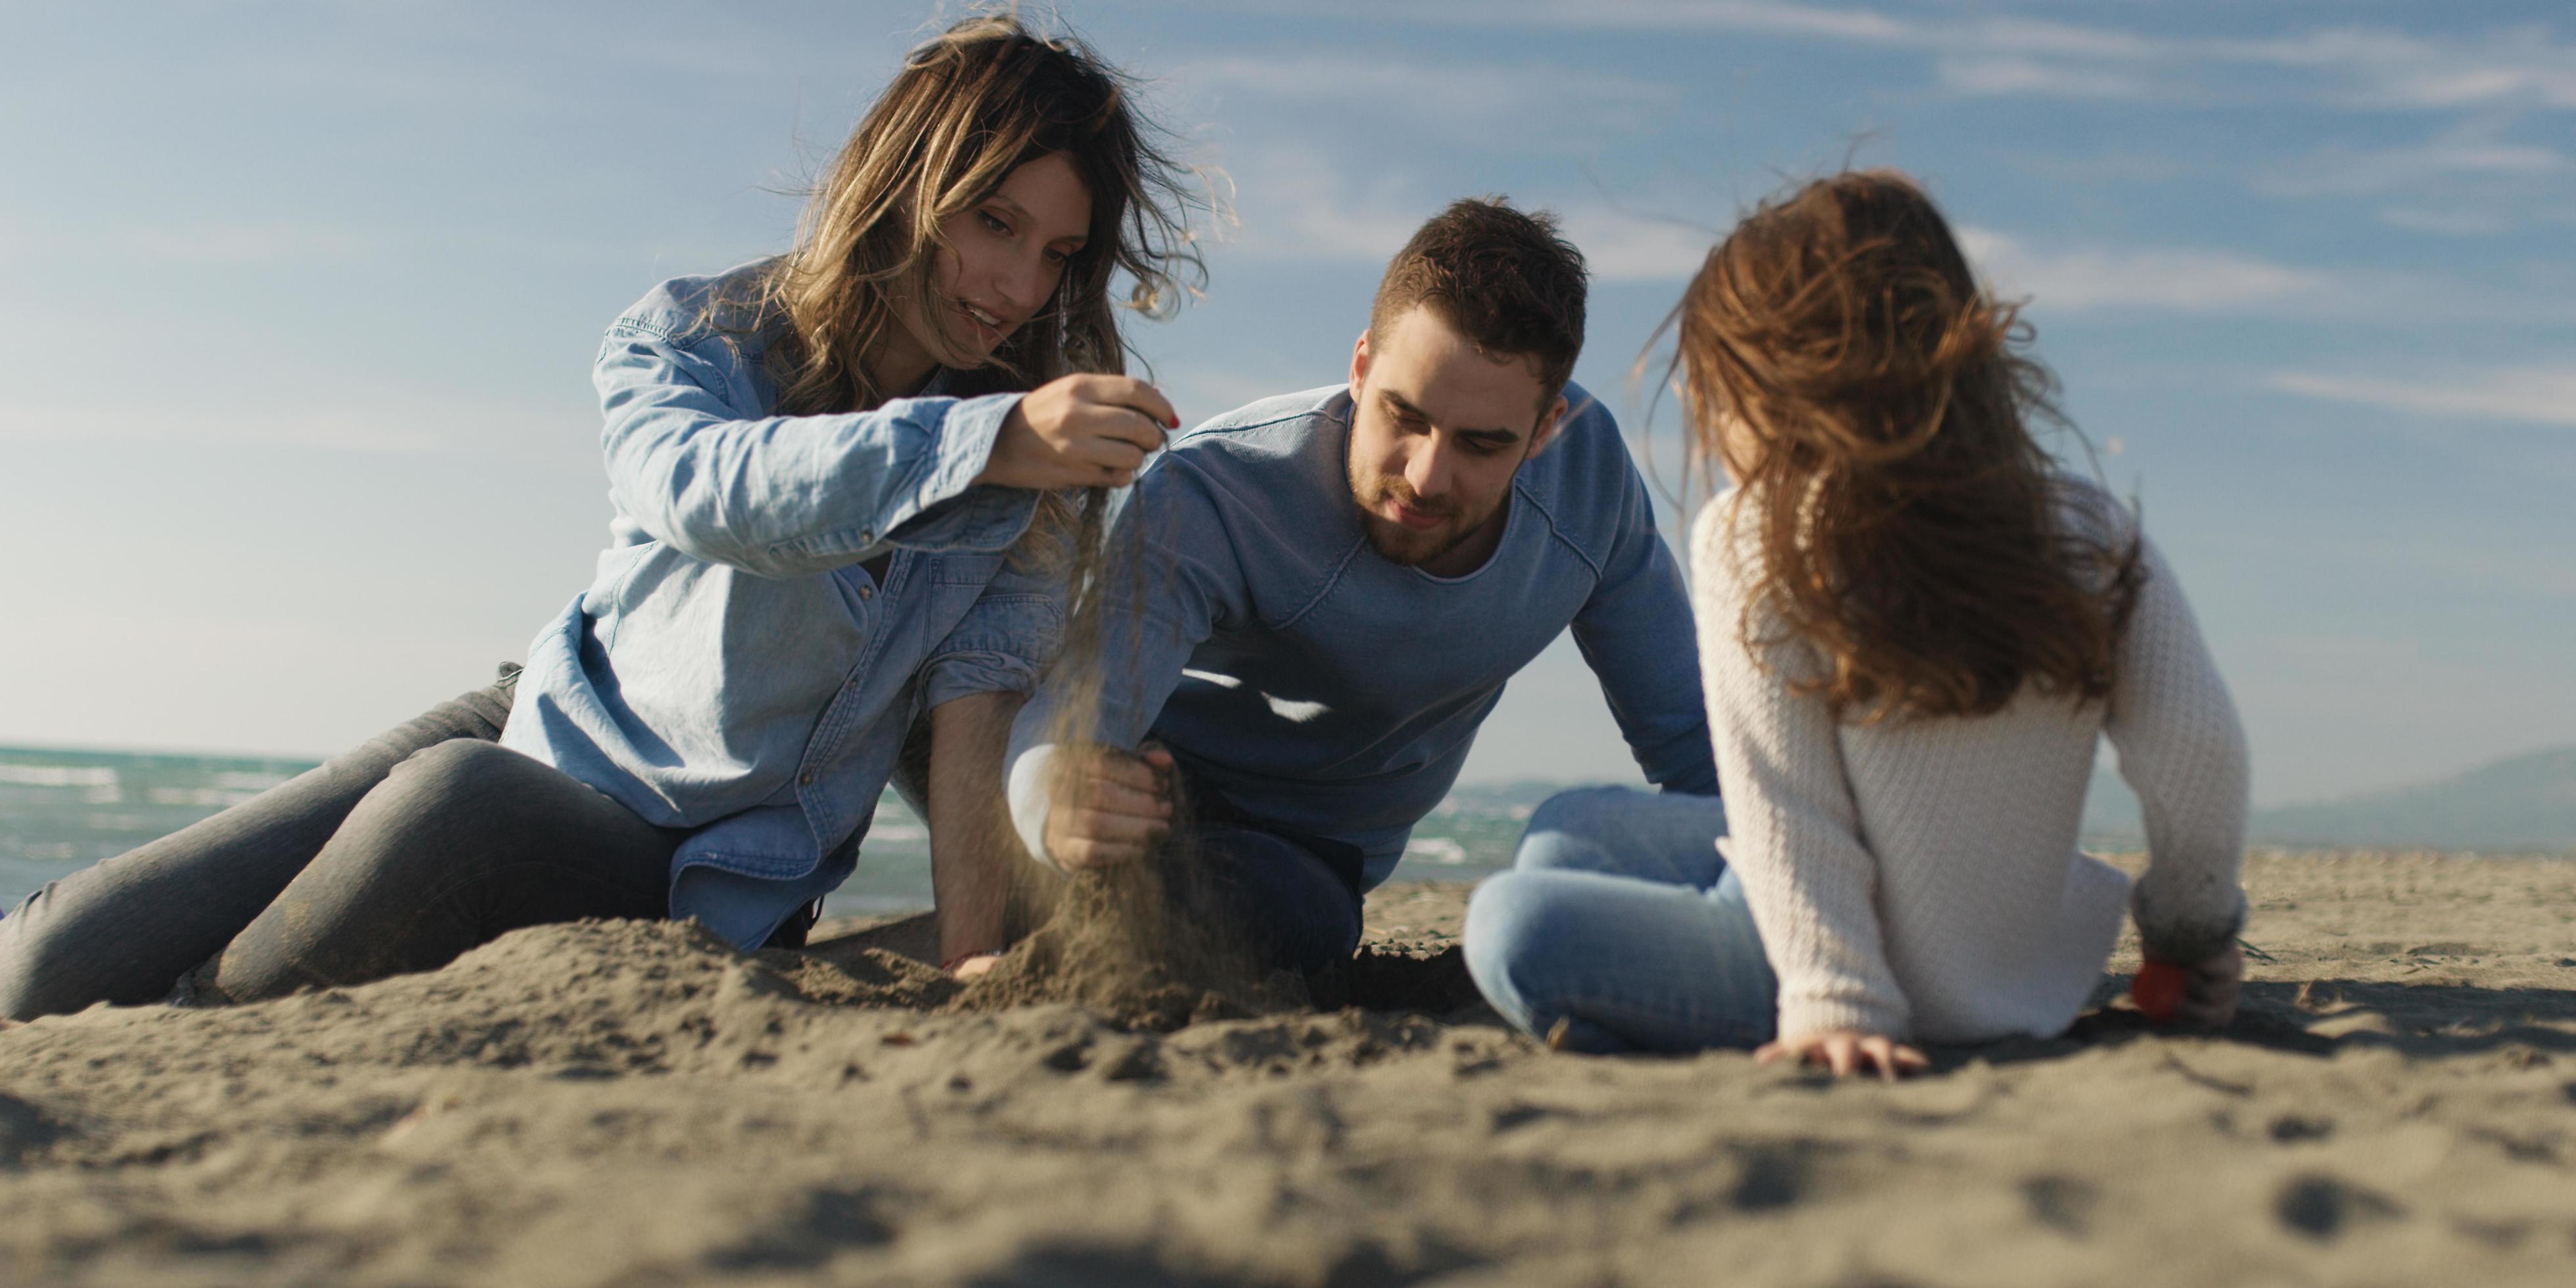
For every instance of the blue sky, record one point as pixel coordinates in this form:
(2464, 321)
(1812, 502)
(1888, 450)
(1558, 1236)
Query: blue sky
(299, 435)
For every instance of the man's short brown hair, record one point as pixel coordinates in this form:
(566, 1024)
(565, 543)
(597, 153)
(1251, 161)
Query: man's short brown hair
(1503, 278)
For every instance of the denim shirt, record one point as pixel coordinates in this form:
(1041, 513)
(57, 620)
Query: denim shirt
(733, 670)
(1321, 689)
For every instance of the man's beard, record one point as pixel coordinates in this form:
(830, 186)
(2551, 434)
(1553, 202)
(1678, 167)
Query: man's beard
(1396, 543)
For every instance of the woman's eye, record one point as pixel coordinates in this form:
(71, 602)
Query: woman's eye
(994, 224)
(1058, 258)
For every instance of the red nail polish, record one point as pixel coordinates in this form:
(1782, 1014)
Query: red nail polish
(2157, 990)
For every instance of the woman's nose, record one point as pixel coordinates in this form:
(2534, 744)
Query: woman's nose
(1022, 283)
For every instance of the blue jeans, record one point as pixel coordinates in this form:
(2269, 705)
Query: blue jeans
(1287, 907)
(1619, 919)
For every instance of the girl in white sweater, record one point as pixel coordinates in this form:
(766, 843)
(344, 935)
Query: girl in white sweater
(1913, 628)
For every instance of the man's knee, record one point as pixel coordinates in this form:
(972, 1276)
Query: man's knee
(1565, 831)
(1510, 925)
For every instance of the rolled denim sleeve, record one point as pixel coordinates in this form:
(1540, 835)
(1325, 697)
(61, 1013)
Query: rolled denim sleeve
(1005, 640)
(691, 463)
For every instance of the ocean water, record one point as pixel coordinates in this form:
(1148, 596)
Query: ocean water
(61, 811)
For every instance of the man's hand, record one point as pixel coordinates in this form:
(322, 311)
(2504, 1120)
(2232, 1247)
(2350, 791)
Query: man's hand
(1846, 1051)
(1111, 807)
(1079, 431)
(976, 967)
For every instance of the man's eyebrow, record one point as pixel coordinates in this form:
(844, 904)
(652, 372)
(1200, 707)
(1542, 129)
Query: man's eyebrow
(1397, 401)
(1502, 435)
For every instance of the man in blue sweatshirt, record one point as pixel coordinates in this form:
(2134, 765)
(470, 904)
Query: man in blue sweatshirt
(1316, 599)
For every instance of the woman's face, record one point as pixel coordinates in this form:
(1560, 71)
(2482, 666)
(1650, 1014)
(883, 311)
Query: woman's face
(1000, 267)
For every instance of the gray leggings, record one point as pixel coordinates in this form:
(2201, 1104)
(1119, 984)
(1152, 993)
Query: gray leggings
(397, 856)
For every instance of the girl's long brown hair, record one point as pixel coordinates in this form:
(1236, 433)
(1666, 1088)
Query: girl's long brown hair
(968, 107)
(1910, 530)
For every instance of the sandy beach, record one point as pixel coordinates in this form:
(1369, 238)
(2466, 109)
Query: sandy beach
(631, 1104)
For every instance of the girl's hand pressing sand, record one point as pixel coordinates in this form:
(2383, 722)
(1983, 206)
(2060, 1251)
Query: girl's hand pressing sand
(1846, 1051)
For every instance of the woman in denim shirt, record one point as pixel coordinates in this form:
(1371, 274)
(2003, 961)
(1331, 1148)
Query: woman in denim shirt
(845, 486)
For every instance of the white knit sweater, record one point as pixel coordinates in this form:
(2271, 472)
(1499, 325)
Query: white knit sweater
(1919, 878)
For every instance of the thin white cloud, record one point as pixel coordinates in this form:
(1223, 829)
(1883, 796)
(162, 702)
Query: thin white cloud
(1992, 76)
(1863, 25)
(2187, 280)
(1306, 207)
(1988, 54)
(1469, 101)
(2373, 171)
(2449, 221)
(1622, 247)
(1310, 209)
(2473, 180)
(2388, 69)
(2526, 395)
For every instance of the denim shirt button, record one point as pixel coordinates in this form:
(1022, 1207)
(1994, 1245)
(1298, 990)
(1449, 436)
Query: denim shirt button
(805, 779)
(867, 592)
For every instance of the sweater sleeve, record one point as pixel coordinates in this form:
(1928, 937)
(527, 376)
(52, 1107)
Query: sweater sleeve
(1793, 829)
(2183, 751)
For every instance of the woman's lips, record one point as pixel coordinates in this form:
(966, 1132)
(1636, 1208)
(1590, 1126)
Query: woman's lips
(990, 332)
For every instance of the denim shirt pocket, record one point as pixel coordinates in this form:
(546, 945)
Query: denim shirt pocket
(772, 842)
(754, 868)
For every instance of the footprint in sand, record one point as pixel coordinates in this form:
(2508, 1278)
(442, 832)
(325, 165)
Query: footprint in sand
(2289, 1128)
(2320, 1207)
(2062, 1203)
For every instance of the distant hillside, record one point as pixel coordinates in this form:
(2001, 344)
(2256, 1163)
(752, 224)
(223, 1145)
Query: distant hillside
(2524, 803)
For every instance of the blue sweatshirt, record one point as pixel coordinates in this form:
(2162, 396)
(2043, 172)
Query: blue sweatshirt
(1321, 689)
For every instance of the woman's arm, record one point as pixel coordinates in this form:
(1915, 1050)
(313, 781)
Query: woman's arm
(2183, 750)
(783, 496)
(970, 834)
(693, 460)
(1793, 827)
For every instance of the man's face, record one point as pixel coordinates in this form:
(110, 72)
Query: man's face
(1437, 431)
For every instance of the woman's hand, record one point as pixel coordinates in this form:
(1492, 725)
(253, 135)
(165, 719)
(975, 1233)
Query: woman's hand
(1112, 810)
(2209, 990)
(1079, 431)
(1846, 1051)
(976, 966)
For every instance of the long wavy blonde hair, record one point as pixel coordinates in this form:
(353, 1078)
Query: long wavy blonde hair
(1912, 533)
(968, 107)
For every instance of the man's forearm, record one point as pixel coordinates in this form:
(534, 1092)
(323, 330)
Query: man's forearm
(971, 842)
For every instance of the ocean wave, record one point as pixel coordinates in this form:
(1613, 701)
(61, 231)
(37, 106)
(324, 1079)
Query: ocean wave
(58, 775)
